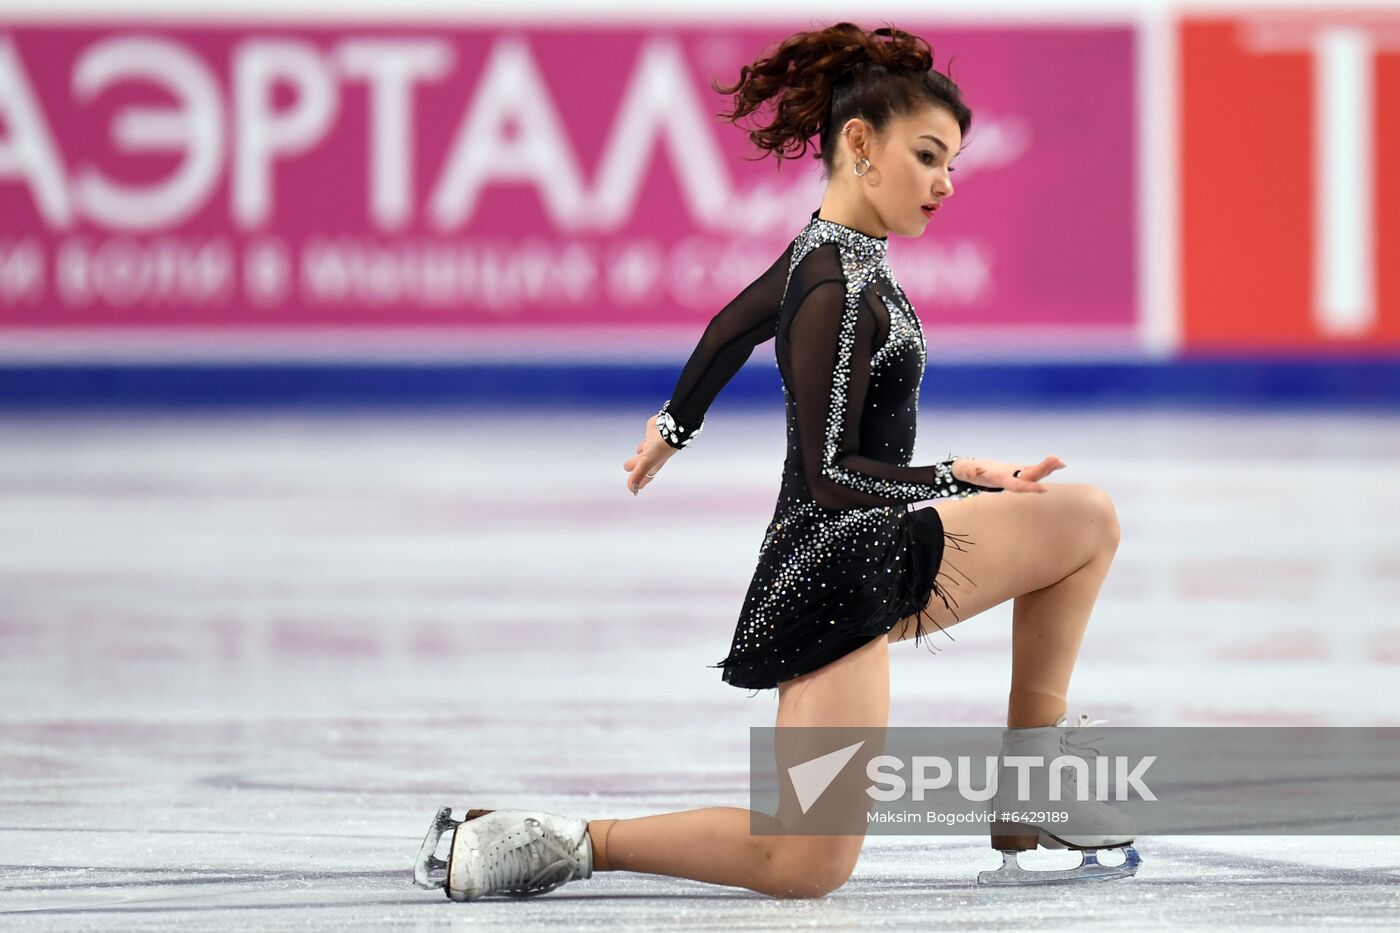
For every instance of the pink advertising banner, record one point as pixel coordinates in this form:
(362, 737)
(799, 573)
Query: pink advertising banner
(496, 187)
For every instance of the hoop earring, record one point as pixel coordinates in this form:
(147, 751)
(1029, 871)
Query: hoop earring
(856, 168)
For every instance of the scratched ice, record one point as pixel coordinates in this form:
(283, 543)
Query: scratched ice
(244, 658)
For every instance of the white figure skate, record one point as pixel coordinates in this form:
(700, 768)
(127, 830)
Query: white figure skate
(517, 853)
(1092, 825)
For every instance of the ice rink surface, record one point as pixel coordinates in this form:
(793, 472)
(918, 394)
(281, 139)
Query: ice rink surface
(244, 658)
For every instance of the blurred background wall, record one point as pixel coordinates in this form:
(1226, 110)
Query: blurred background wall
(317, 203)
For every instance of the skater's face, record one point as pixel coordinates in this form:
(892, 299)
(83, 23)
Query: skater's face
(910, 166)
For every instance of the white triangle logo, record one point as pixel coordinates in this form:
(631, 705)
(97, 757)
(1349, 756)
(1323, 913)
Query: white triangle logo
(811, 778)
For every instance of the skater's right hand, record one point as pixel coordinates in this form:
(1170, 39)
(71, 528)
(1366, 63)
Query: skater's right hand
(996, 474)
(652, 454)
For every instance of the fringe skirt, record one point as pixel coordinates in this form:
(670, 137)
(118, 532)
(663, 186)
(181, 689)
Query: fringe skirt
(829, 580)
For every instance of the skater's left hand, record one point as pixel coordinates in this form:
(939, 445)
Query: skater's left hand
(652, 454)
(998, 475)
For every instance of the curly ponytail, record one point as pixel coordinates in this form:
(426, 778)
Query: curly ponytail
(821, 79)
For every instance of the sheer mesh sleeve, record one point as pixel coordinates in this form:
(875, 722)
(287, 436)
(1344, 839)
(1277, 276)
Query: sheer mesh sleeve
(728, 342)
(830, 363)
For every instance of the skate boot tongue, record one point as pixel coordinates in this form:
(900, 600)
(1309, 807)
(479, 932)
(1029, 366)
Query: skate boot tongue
(1084, 720)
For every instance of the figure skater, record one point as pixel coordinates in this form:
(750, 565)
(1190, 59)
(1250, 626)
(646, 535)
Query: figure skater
(846, 566)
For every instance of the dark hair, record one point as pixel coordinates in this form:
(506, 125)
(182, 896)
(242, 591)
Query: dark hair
(823, 78)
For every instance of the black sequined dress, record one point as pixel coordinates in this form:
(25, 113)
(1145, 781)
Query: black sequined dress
(844, 557)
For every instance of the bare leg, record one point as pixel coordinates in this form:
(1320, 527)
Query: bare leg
(1050, 553)
(715, 844)
(1047, 628)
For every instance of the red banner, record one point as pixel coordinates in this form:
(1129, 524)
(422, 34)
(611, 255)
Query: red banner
(1290, 182)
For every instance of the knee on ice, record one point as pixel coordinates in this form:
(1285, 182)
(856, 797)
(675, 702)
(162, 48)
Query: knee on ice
(810, 867)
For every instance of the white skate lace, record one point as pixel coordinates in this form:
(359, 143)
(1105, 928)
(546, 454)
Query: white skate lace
(534, 867)
(1069, 746)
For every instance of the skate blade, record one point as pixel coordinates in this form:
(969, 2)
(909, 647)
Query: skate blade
(1089, 869)
(427, 861)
